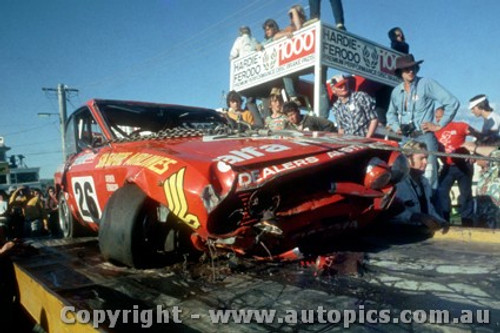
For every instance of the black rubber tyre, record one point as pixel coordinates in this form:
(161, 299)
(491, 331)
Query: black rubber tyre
(117, 239)
(131, 234)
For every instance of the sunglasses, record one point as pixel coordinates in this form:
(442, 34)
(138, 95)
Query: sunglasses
(341, 86)
(408, 69)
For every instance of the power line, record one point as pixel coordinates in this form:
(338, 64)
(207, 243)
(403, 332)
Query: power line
(25, 130)
(44, 153)
(34, 144)
(159, 58)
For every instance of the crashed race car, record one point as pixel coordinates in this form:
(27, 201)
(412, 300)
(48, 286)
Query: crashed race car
(157, 181)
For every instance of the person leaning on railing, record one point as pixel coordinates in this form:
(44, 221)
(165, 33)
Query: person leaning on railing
(488, 185)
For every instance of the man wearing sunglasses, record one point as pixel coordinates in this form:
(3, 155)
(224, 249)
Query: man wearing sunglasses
(412, 106)
(354, 111)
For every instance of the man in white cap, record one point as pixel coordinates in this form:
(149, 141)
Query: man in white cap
(412, 107)
(480, 107)
(354, 111)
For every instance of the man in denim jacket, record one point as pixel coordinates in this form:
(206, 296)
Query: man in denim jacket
(412, 105)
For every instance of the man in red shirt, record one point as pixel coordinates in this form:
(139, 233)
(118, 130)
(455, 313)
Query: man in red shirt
(451, 138)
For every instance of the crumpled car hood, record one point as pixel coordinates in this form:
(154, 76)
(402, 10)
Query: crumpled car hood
(245, 152)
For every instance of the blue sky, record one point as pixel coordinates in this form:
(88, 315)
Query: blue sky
(176, 51)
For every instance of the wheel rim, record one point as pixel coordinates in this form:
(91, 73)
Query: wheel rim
(64, 217)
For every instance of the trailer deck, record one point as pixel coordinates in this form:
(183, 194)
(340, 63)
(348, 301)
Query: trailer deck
(383, 274)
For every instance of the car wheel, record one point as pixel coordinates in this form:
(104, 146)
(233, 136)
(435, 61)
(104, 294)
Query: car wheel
(131, 234)
(67, 226)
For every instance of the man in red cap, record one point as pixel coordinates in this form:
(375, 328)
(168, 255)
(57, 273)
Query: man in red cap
(354, 111)
(412, 105)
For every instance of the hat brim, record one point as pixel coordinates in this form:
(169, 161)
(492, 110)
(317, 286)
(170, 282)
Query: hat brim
(411, 64)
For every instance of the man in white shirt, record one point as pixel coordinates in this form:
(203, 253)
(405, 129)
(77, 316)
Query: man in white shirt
(244, 44)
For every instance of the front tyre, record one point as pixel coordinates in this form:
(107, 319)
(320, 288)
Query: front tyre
(131, 234)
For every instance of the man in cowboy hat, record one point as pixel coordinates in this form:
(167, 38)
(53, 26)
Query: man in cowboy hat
(411, 109)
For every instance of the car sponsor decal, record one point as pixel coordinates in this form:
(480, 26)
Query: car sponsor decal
(257, 176)
(84, 159)
(156, 163)
(86, 198)
(176, 199)
(248, 153)
(111, 187)
(111, 184)
(111, 159)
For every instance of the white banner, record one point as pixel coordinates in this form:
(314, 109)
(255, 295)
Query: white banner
(357, 55)
(278, 59)
(340, 50)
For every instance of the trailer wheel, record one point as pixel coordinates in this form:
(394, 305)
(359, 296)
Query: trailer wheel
(68, 228)
(131, 234)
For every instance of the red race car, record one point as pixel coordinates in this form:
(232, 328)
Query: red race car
(158, 180)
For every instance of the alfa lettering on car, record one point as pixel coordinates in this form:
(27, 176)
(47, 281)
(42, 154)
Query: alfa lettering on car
(86, 198)
(176, 199)
(248, 153)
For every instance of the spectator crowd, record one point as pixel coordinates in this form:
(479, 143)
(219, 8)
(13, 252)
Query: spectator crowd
(26, 212)
(419, 110)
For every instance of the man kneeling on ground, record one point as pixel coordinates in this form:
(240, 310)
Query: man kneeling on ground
(412, 205)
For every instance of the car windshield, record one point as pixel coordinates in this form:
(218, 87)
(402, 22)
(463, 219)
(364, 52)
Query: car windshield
(127, 119)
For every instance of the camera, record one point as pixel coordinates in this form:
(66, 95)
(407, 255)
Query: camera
(408, 129)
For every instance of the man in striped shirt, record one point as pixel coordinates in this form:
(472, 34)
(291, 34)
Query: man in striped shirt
(354, 111)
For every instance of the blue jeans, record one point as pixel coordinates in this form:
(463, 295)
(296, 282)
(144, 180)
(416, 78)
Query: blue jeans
(337, 9)
(463, 175)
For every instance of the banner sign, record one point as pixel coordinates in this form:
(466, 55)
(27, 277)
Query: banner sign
(278, 59)
(340, 50)
(359, 56)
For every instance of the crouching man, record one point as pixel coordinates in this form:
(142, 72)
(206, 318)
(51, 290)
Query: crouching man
(412, 205)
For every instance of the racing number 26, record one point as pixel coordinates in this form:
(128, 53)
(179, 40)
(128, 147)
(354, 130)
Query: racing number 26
(86, 198)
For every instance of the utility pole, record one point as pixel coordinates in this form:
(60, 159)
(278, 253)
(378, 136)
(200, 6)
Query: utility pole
(61, 96)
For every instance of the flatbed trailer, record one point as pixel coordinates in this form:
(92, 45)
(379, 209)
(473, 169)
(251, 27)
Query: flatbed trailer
(403, 280)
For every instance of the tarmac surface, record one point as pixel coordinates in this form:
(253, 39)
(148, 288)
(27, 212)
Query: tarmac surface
(375, 273)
